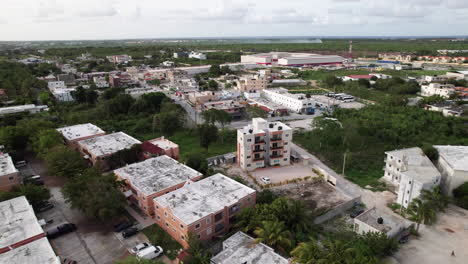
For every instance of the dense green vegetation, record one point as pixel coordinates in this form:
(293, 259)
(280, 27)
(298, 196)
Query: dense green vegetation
(364, 135)
(158, 237)
(460, 195)
(19, 82)
(35, 194)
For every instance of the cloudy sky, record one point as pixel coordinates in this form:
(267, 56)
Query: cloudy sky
(116, 19)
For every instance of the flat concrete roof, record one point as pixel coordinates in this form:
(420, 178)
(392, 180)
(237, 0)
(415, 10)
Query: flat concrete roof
(157, 174)
(164, 143)
(108, 144)
(241, 248)
(419, 166)
(390, 222)
(456, 156)
(6, 165)
(37, 252)
(202, 198)
(17, 221)
(80, 131)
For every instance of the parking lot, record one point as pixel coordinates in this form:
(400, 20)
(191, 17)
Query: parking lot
(280, 174)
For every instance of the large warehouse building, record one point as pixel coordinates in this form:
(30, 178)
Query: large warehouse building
(291, 59)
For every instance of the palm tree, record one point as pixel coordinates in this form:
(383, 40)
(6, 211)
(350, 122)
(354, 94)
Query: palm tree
(274, 234)
(299, 217)
(436, 198)
(422, 212)
(307, 252)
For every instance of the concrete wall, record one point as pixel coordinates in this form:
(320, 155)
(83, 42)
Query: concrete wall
(6, 183)
(338, 210)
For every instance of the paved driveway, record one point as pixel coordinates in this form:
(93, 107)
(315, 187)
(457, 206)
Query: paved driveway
(280, 174)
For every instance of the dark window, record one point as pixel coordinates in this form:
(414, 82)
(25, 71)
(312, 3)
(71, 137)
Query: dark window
(197, 226)
(234, 209)
(219, 227)
(248, 157)
(218, 217)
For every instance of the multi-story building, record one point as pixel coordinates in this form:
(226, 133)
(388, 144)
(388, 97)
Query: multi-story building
(453, 165)
(197, 55)
(97, 149)
(9, 175)
(122, 79)
(206, 208)
(298, 103)
(255, 82)
(241, 248)
(160, 146)
(434, 78)
(73, 134)
(263, 144)
(374, 220)
(22, 238)
(64, 95)
(411, 171)
(56, 85)
(444, 90)
(174, 75)
(154, 177)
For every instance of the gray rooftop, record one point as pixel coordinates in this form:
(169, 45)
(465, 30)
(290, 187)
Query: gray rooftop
(156, 174)
(17, 221)
(241, 248)
(202, 198)
(80, 131)
(37, 252)
(6, 164)
(418, 165)
(390, 222)
(455, 156)
(108, 144)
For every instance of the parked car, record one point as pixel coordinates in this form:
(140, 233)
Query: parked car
(356, 212)
(150, 252)
(266, 180)
(61, 230)
(139, 247)
(129, 232)
(20, 163)
(36, 180)
(122, 226)
(69, 261)
(42, 207)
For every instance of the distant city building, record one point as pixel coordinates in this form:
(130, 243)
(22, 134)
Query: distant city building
(197, 55)
(253, 82)
(298, 103)
(291, 59)
(206, 208)
(453, 165)
(444, 90)
(241, 248)
(9, 175)
(377, 221)
(30, 108)
(118, 59)
(288, 82)
(263, 144)
(75, 133)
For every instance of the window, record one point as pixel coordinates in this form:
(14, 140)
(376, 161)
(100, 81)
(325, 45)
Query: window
(406, 201)
(165, 213)
(410, 182)
(219, 227)
(248, 199)
(398, 169)
(208, 221)
(167, 224)
(157, 207)
(11, 178)
(197, 226)
(285, 143)
(181, 226)
(248, 157)
(182, 237)
(287, 135)
(208, 231)
(285, 159)
(408, 192)
(249, 140)
(218, 217)
(248, 165)
(198, 236)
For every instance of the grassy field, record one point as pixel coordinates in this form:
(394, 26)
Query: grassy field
(158, 237)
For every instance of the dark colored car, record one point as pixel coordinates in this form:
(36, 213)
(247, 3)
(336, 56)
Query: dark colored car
(69, 261)
(122, 226)
(36, 180)
(61, 230)
(129, 232)
(42, 207)
(356, 213)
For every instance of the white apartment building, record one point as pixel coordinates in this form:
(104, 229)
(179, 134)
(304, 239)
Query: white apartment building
(444, 90)
(453, 165)
(435, 78)
(56, 85)
(263, 144)
(197, 55)
(64, 95)
(298, 103)
(252, 82)
(411, 171)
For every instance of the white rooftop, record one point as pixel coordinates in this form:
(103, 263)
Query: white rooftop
(390, 222)
(108, 144)
(80, 131)
(455, 156)
(156, 174)
(202, 198)
(6, 164)
(419, 166)
(164, 143)
(21, 108)
(37, 252)
(259, 125)
(241, 248)
(17, 221)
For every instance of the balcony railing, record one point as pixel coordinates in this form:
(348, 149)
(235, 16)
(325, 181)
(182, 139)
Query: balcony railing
(258, 159)
(276, 147)
(259, 141)
(275, 139)
(258, 150)
(276, 156)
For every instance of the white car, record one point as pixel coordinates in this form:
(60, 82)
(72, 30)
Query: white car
(266, 180)
(139, 247)
(150, 252)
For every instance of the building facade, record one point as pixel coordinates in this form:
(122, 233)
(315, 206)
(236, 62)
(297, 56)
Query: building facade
(374, 220)
(453, 165)
(263, 144)
(250, 83)
(160, 146)
(444, 90)
(298, 103)
(9, 175)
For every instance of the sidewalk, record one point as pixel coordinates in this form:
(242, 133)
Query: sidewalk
(143, 221)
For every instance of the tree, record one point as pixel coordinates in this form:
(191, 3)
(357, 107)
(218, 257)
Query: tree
(307, 252)
(13, 138)
(435, 198)
(430, 152)
(214, 70)
(332, 81)
(98, 196)
(274, 234)
(208, 134)
(125, 156)
(35, 194)
(422, 212)
(44, 97)
(64, 162)
(197, 162)
(45, 140)
(212, 85)
(168, 122)
(379, 244)
(197, 254)
(364, 82)
(460, 195)
(121, 104)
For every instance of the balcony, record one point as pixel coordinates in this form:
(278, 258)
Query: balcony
(276, 147)
(274, 156)
(258, 150)
(258, 158)
(259, 140)
(274, 139)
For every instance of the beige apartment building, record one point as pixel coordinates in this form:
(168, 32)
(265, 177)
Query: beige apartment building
(255, 82)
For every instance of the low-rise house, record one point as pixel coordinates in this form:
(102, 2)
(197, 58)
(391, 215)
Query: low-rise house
(154, 177)
(56, 85)
(68, 79)
(356, 77)
(288, 82)
(197, 55)
(206, 208)
(453, 165)
(444, 90)
(374, 220)
(97, 149)
(22, 238)
(241, 248)
(202, 97)
(458, 75)
(75, 133)
(64, 95)
(9, 175)
(160, 146)
(411, 171)
(233, 108)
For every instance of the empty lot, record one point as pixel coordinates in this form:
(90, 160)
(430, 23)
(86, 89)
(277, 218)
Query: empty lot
(279, 174)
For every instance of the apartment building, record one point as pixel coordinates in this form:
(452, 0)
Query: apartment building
(453, 165)
(97, 149)
(119, 58)
(434, 78)
(22, 238)
(152, 178)
(298, 103)
(73, 134)
(30, 108)
(197, 55)
(160, 146)
(411, 171)
(263, 144)
(444, 90)
(254, 82)
(241, 248)
(206, 208)
(56, 85)
(9, 175)
(374, 220)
